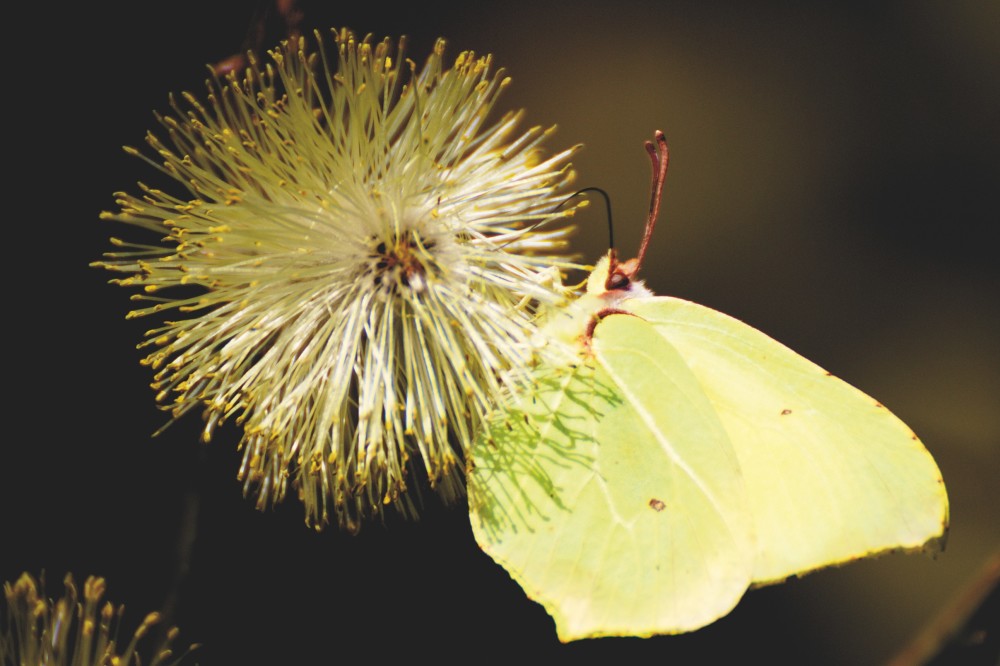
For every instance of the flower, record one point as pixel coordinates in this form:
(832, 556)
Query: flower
(35, 630)
(370, 258)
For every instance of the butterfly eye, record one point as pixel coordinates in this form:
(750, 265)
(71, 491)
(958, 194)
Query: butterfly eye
(617, 281)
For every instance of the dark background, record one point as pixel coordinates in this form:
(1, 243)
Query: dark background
(834, 177)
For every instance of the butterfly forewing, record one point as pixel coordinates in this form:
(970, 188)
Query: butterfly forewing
(831, 474)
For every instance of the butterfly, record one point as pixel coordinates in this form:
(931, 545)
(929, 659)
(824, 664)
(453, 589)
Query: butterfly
(683, 457)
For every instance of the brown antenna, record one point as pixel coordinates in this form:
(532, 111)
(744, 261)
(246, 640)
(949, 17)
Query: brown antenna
(620, 274)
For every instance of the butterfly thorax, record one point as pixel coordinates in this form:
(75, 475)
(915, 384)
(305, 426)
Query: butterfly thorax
(574, 323)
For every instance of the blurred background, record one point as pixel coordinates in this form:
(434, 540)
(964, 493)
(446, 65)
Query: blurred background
(834, 170)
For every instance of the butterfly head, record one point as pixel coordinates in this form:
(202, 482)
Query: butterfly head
(613, 280)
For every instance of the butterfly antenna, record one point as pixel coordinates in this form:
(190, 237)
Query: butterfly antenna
(607, 203)
(659, 156)
(620, 273)
(607, 207)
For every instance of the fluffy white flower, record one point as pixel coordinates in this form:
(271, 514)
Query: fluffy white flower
(356, 268)
(75, 630)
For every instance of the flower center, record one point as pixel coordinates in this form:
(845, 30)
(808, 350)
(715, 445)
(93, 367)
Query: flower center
(402, 261)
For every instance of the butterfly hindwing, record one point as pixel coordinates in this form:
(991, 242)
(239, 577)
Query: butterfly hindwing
(627, 524)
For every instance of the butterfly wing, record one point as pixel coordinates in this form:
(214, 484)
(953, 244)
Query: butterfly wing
(612, 494)
(831, 475)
